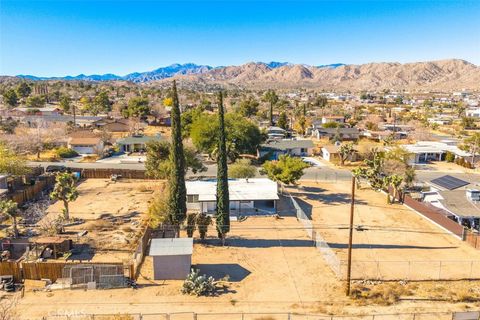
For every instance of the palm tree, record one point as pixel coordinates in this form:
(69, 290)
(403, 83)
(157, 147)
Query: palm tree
(9, 208)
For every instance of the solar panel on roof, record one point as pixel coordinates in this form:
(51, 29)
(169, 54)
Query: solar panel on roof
(449, 182)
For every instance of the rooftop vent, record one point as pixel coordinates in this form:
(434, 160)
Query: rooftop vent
(473, 194)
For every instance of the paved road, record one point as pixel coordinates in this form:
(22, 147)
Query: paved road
(312, 173)
(323, 173)
(93, 165)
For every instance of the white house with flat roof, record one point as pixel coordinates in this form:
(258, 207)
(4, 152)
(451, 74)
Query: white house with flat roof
(247, 196)
(473, 112)
(425, 151)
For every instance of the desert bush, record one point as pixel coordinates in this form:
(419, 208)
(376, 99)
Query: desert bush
(382, 294)
(203, 221)
(51, 226)
(449, 157)
(199, 285)
(190, 227)
(64, 152)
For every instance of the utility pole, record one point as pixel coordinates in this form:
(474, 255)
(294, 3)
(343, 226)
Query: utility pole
(74, 117)
(350, 238)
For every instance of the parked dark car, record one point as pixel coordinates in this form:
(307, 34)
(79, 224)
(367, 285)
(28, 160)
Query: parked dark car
(56, 168)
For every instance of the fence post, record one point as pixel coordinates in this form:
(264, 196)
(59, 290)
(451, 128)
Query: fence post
(409, 268)
(440, 270)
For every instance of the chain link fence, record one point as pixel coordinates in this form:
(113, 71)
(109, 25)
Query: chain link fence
(471, 315)
(388, 270)
(328, 254)
(104, 276)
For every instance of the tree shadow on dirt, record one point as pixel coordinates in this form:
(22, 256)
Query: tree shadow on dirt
(263, 243)
(385, 246)
(231, 271)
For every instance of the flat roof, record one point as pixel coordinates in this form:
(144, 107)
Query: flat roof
(434, 147)
(285, 144)
(238, 189)
(139, 139)
(456, 202)
(171, 247)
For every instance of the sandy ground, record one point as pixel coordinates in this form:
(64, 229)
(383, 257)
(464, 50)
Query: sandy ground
(272, 267)
(396, 242)
(113, 215)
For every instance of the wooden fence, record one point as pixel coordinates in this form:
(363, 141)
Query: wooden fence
(141, 251)
(41, 270)
(434, 216)
(31, 192)
(472, 238)
(107, 173)
(11, 268)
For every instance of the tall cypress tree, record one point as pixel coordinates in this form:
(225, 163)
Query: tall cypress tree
(178, 191)
(223, 203)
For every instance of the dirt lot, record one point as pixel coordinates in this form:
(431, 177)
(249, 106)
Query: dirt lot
(396, 242)
(272, 267)
(112, 214)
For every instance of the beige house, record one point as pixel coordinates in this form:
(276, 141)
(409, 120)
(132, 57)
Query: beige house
(86, 145)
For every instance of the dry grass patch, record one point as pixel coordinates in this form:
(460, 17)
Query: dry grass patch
(382, 294)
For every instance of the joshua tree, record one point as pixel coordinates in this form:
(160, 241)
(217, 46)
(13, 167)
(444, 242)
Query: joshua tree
(9, 208)
(345, 151)
(394, 181)
(359, 173)
(65, 191)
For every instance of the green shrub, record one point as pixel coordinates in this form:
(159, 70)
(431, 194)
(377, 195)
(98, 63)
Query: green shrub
(449, 157)
(64, 152)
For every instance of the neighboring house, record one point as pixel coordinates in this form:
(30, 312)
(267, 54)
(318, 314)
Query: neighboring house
(46, 111)
(344, 134)
(383, 135)
(396, 127)
(172, 258)
(457, 199)
(473, 113)
(86, 145)
(275, 148)
(81, 121)
(136, 143)
(247, 196)
(440, 121)
(331, 154)
(116, 126)
(337, 119)
(276, 133)
(426, 151)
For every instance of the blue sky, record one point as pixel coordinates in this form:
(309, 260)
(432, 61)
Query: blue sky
(56, 38)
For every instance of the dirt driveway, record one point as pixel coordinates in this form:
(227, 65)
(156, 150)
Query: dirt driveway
(391, 241)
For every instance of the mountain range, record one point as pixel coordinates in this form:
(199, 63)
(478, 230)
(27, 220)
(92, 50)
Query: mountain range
(452, 74)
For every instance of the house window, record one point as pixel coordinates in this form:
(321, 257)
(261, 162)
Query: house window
(192, 198)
